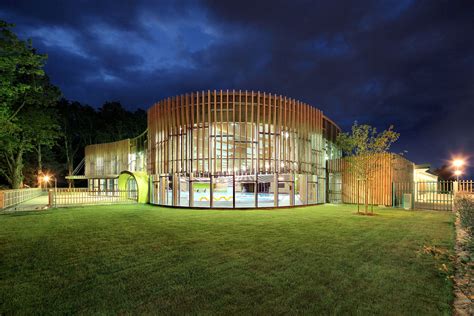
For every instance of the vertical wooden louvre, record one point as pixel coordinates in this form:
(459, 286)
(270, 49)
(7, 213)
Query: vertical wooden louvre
(228, 132)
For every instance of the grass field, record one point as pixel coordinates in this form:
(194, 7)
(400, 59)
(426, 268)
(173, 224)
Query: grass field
(146, 259)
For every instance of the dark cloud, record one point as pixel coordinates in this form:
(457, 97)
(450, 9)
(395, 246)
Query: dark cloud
(403, 62)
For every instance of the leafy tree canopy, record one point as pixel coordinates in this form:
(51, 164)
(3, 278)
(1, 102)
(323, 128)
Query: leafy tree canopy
(27, 117)
(366, 140)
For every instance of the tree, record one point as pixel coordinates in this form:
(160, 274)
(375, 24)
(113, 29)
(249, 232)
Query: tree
(363, 149)
(119, 123)
(27, 120)
(79, 128)
(18, 61)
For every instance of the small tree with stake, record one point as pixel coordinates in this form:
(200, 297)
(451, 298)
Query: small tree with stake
(363, 149)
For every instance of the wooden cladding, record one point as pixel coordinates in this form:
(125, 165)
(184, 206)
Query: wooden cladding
(107, 159)
(389, 168)
(227, 132)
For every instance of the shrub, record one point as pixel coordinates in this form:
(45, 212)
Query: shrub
(464, 205)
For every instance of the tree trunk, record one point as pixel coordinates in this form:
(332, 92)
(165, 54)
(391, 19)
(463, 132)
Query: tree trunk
(68, 162)
(40, 164)
(17, 171)
(366, 185)
(40, 159)
(69, 171)
(366, 197)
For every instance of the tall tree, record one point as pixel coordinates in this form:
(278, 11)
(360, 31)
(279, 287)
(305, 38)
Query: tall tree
(27, 121)
(363, 149)
(18, 62)
(79, 125)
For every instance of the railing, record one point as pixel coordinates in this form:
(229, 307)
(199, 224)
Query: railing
(10, 198)
(466, 186)
(83, 196)
(79, 167)
(432, 195)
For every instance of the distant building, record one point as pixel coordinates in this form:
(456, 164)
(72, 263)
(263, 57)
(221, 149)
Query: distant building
(423, 173)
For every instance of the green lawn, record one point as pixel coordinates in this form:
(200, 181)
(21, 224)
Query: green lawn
(146, 259)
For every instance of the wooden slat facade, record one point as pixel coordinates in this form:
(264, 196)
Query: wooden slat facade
(236, 132)
(390, 168)
(107, 159)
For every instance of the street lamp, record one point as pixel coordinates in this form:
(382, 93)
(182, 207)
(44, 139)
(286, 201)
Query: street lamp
(458, 163)
(457, 173)
(46, 179)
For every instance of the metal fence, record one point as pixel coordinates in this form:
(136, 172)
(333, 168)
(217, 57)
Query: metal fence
(9, 198)
(432, 195)
(85, 196)
(466, 186)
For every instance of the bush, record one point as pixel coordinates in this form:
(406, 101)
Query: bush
(464, 205)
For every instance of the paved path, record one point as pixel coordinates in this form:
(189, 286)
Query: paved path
(35, 204)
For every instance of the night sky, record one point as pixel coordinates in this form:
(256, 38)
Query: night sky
(407, 63)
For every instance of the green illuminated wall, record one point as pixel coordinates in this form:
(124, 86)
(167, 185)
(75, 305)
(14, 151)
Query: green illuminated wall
(141, 178)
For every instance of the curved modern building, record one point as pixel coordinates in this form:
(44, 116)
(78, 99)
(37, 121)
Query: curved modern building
(225, 149)
(238, 149)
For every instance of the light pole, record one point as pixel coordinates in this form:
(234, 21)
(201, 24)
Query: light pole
(457, 173)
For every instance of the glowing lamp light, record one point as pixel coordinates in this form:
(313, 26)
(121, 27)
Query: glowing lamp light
(457, 173)
(46, 178)
(458, 163)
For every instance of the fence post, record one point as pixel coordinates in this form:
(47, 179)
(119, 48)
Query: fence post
(393, 194)
(49, 198)
(455, 187)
